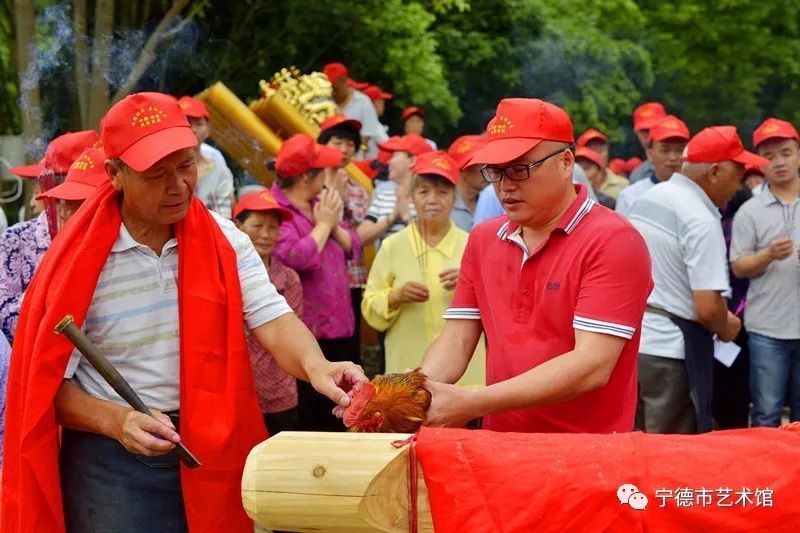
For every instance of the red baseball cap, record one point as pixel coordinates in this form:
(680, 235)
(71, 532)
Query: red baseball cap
(411, 143)
(413, 110)
(618, 166)
(591, 135)
(590, 155)
(192, 107)
(300, 153)
(669, 127)
(721, 143)
(360, 85)
(774, 128)
(367, 167)
(385, 155)
(375, 93)
(334, 71)
(143, 128)
(519, 126)
(751, 169)
(61, 153)
(465, 147)
(645, 115)
(339, 120)
(28, 171)
(438, 163)
(633, 163)
(261, 201)
(85, 175)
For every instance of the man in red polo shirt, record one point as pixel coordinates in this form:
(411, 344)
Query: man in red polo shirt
(559, 287)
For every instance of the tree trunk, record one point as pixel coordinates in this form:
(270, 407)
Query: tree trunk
(81, 60)
(99, 92)
(148, 54)
(30, 96)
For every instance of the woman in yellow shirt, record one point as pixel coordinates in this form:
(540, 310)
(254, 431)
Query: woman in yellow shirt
(412, 279)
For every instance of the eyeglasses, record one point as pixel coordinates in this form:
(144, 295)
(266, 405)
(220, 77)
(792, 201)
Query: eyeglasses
(520, 172)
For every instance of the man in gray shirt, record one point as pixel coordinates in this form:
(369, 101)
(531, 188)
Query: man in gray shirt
(763, 249)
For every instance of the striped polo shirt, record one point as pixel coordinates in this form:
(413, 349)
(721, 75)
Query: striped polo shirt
(382, 206)
(133, 316)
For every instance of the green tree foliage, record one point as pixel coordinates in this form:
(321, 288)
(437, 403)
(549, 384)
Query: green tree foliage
(709, 61)
(9, 84)
(731, 61)
(387, 42)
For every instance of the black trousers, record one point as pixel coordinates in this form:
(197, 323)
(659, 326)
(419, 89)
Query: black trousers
(315, 409)
(282, 421)
(732, 389)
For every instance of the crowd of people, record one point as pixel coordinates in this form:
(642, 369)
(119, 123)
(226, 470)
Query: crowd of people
(539, 283)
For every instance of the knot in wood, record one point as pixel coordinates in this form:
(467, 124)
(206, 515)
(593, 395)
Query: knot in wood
(319, 471)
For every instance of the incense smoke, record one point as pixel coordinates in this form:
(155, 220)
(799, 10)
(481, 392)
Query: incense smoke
(49, 51)
(53, 61)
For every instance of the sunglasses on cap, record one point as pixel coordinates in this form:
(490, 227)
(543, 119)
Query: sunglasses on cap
(519, 172)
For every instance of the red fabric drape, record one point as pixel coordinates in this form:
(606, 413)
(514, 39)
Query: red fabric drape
(483, 481)
(220, 419)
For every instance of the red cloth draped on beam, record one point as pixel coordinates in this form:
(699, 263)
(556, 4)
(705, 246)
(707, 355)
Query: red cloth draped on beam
(220, 419)
(483, 481)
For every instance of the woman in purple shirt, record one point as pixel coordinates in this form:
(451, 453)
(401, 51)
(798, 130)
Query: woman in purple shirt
(316, 245)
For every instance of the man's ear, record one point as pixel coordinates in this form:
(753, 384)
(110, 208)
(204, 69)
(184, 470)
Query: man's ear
(569, 161)
(114, 173)
(713, 173)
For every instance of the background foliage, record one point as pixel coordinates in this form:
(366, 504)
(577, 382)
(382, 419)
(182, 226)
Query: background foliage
(709, 61)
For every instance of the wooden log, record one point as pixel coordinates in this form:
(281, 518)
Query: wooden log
(240, 132)
(338, 482)
(284, 119)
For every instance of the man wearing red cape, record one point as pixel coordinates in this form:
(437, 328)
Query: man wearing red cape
(164, 289)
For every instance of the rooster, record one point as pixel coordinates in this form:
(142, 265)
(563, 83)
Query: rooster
(390, 403)
(791, 426)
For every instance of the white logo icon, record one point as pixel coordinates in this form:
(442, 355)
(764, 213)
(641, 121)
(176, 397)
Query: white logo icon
(629, 494)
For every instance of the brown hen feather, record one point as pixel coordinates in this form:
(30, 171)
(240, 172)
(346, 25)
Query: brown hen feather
(397, 405)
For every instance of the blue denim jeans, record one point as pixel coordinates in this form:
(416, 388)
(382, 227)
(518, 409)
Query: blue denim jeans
(774, 370)
(106, 488)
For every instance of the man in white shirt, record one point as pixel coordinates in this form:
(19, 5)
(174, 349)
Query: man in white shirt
(214, 178)
(665, 146)
(645, 117)
(414, 123)
(379, 97)
(680, 221)
(356, 105)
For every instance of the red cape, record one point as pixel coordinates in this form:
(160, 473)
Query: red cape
(220, 418)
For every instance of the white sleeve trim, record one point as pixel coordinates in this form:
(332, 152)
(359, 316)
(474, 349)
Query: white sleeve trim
(599, 326)
(463, 313)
